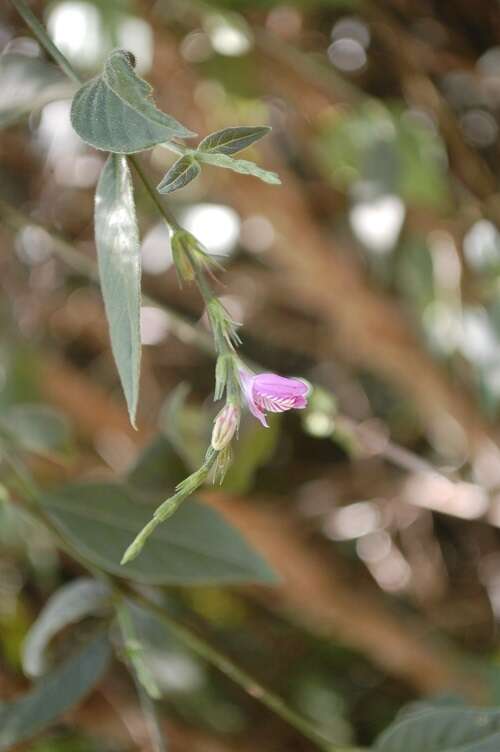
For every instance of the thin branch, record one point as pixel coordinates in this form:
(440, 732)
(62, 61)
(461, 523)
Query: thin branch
(191, 640)
(187, 331)
(238, 675)
(44, 39)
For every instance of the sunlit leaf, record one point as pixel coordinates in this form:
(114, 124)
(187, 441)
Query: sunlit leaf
(180, 174)
(195, 546)
(54, 695)
(115, 111)
(117, 241)
(232, 140)
(68, 605)
(242, 166)
(443, 729)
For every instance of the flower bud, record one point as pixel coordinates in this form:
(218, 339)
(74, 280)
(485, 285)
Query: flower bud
(180, 253)
(225, 426)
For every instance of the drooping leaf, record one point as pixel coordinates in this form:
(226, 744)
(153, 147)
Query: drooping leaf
(242, 166)
(54, 695)
(195, 546)
(232, 140)
(36, 427)
(180, 174)
(117, 241)
(68, 605)
(443, 729)
(115, 111)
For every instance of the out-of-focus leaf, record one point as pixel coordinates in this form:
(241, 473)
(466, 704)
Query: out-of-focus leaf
(185, 426)
(55, 694)
(180, 174)
(423, 706)
(194, 546)
(443, 729)
(36, 427)
(252, 450)
(26, 82)
(243, 166)
(415, 274)
(388, 150)
(232, 140)
(158, 469)
(117, 241)
(68, 605)
(307, 5)
(115, 111)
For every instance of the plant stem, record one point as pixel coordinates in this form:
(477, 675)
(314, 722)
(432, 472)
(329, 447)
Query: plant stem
(38, 30)
(238, 675)
(164, 211)
(134, 650)
(191, 640)
(44, 39)
(150, 713)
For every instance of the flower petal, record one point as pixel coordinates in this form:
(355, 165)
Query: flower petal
(247, 382)
(279, 386)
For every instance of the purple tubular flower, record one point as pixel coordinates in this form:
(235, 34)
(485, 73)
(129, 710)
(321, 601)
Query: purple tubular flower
(268, 392)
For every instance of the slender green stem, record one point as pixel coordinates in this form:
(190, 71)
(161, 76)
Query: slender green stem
(44, 39)
(238, 675)
(134, 650)
(191, 640)
(150, 713)
(164, 211)
(182, 326)
(42, 36)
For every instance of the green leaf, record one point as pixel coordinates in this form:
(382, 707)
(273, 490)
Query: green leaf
(36, 427)
(68, 605)
(54, 695)
(242, 166)
(115, 111)
(117, 241)
(195, 546)
(233, 140)
(180, 174)
(443, 729)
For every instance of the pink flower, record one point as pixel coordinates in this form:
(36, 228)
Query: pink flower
(272, 393)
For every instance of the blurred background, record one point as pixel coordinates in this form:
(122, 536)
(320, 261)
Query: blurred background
(373, 271)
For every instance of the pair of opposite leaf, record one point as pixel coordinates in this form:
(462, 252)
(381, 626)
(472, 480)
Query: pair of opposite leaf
(115, 112)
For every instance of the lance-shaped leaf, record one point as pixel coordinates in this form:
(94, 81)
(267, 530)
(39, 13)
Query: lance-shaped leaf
(117, 241)
(232, 140)
(180, 174)
(196, 546)
(68, 605)
(242, 166)
(115, 111)
(54, 695)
